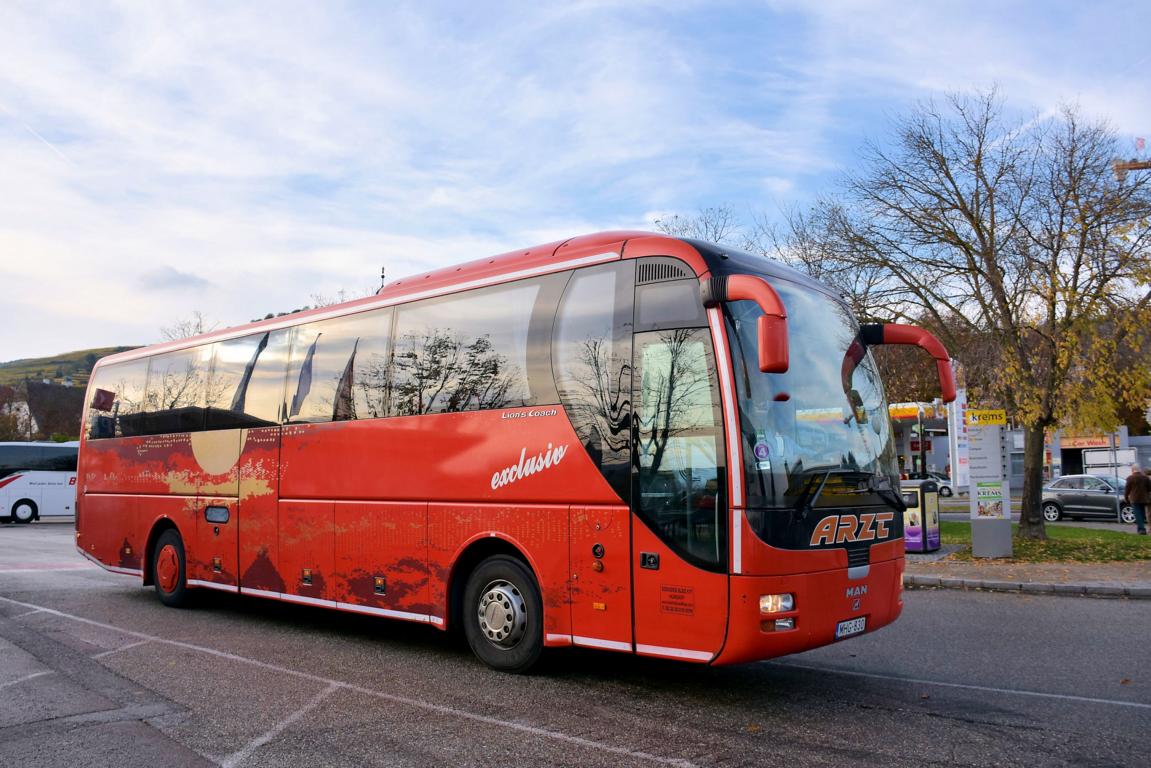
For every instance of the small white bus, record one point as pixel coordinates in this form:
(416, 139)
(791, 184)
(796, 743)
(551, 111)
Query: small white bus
(37, 480)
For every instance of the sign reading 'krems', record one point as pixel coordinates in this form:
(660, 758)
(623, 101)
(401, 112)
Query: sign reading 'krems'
(838, 529)
(977, 417)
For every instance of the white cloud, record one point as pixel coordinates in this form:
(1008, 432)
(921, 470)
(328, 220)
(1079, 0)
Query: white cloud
(275, 150)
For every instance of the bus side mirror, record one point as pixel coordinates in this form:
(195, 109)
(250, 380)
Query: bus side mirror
(771, 328)
(896, 333)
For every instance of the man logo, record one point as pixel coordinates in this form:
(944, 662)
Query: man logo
(838, 529)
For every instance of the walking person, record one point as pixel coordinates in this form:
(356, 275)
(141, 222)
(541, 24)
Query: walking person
(1137, 492)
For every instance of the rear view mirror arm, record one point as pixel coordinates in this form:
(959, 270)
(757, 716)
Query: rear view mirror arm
(875, 334)
(771, 327)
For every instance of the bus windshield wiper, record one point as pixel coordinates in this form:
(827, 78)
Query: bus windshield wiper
(807, 499)
(881, 486)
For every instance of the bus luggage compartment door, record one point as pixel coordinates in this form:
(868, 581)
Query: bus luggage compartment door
(600, 577)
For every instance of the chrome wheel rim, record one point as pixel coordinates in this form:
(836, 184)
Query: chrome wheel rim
(502, 614)
(1051, 513)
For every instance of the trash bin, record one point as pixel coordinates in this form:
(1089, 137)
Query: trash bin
(921, 518)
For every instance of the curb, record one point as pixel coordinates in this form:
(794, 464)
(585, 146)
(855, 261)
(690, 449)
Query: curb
(917, 581)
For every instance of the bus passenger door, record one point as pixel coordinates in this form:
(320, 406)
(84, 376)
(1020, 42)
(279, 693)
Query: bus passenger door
(679, 529)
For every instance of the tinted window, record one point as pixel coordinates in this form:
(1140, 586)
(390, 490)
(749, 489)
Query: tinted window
(58, 458)
(591, 355)
(480, 349)
(14, 458)
(246, 388)
(673, 304)
(175, 395)
(117, 403)
(678, 452)
(339, 368)
(264, 398)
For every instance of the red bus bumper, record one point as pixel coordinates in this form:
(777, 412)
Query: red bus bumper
(823, 600)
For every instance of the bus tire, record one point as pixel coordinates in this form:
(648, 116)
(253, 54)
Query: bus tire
(503, 615)
(24, 511)
(169, 569)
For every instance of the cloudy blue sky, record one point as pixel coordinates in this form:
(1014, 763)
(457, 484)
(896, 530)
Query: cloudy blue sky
(158, 158)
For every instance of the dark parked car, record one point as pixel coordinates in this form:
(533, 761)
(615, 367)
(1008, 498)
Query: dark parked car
(1080, 496)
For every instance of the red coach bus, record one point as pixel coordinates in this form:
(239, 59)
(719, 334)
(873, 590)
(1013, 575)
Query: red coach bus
(621, 441)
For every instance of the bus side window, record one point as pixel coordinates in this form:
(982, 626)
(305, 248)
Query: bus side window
(17, 458)
(671, 304)
(175, 394)
(124, 416)
(99, 420)
(591, 357)
(466, 352)
(246, 388)
(60, 458)
(338, 369)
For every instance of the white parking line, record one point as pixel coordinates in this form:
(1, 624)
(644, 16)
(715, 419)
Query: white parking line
(25, 678)
(404, 700)
(234, 759)
(121, 648)
(26, 613)
(961, 686)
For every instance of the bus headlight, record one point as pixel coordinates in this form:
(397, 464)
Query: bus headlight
(776, 603)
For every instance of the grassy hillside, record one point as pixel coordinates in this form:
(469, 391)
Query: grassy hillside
(76, 364)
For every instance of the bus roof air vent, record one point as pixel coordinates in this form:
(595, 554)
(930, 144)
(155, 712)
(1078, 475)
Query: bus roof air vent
(660, 269)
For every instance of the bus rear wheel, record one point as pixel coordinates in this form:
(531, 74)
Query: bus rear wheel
(169, 569)
(23, 512)
(503, 615)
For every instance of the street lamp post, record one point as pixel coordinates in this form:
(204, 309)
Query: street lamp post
(922, 443)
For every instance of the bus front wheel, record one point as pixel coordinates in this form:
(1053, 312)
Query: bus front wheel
(23, 512)
(503, 615)
(169, 569)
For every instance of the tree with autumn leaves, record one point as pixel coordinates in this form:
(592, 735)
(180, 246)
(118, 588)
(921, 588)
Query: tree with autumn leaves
(1015, 243)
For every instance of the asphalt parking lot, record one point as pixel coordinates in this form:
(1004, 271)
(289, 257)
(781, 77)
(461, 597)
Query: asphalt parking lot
(94, 671)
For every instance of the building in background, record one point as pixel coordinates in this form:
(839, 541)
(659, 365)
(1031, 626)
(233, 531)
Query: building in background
(923, 433)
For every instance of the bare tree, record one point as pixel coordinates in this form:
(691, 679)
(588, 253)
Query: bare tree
(1018, 235)
(445, 371)
(187, 327)
(718, 224)
(340, 296)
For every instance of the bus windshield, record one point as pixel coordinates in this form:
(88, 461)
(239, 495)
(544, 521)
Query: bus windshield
(820, 434)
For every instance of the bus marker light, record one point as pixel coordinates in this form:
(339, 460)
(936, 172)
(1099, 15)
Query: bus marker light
(381, 585)
(306, 576)
(597, 565)
(776, 603)
(599, 606)
(784, 624)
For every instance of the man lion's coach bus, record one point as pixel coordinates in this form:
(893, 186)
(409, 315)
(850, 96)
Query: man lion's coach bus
(621, 441)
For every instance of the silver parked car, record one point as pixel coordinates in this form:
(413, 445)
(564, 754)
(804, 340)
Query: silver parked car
(1080, 496)
(946, 489)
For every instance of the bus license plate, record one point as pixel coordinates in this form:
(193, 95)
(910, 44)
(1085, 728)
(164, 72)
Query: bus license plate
(850, 627)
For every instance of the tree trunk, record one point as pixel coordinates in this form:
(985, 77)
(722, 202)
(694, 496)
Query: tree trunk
(1031, 524)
